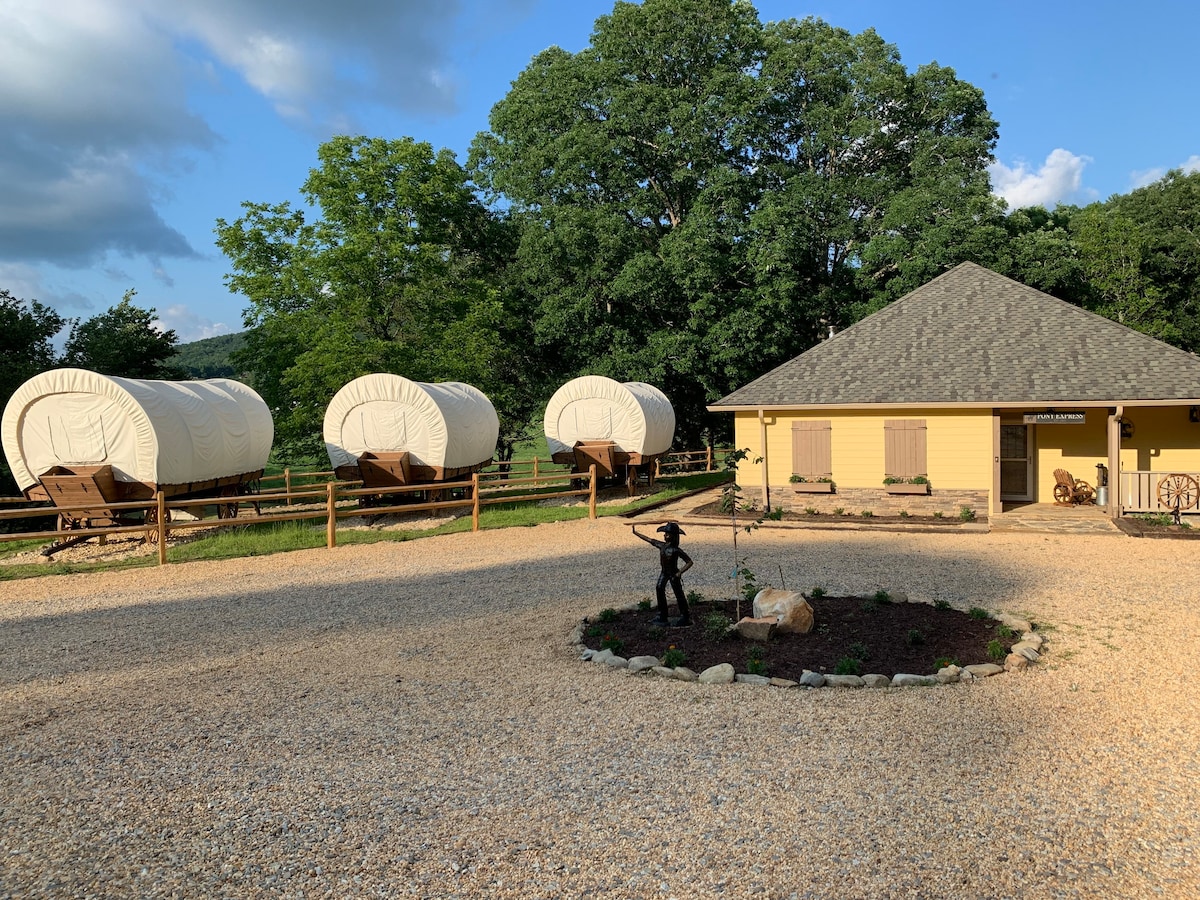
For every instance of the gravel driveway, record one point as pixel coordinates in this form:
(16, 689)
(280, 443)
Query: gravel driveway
(406, 719)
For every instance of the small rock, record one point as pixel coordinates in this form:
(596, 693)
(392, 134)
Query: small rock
(906, 680)
(1032, 637)
(783, 682)
(576, 635)
(642, 663)
(983, 670)
(843, 681)
(899, 597)
(664, 671)
(761, 630)
(752, 679)
(683, 673)
(722, 673)
(1015, 624)
(587, 654)
(1015, 661)
(601, 656)
(812, 679)
(617, 662)
(876, 681)
(948, 674)
(1026, 650)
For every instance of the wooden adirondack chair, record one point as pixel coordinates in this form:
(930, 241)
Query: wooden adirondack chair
(1069, 491)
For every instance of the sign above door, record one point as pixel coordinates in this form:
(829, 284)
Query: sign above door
(1055, 418)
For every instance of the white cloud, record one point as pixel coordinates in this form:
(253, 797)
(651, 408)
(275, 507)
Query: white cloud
(189, 326)
(1139, 178)
(1058, 179)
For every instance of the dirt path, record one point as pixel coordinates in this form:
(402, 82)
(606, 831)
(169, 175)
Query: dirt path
(407, 720)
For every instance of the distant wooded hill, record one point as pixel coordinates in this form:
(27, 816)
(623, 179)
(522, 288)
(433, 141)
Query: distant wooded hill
(209, 358)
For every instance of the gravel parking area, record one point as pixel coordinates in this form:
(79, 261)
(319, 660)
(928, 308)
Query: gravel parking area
(407, 719)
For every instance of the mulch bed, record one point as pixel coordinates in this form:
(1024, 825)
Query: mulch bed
(748, 516)
(1135, 527)
(881, 633)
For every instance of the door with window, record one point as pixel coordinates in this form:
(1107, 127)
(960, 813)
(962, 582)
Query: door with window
(1016, 462)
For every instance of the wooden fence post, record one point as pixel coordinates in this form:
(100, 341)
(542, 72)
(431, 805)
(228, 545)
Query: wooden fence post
(535, 472)
(160, 500)
(331, 513)
(475, 506)
(287, 483)
(592, 497)
(708, 458)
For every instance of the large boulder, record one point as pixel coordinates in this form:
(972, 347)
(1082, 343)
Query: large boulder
(789, 607)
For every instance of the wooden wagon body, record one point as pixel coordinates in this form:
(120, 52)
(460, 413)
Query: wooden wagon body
(84, 441)
(621, 428)
(390, 432)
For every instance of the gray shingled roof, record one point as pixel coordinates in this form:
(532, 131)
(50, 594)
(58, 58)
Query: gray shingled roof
(974, 336)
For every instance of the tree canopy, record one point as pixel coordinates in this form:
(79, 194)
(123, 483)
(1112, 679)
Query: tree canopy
(123, 341)
(699, 195)
(400, 270)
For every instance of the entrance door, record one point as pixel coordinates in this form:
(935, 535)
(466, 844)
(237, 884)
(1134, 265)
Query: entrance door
(1016, 462)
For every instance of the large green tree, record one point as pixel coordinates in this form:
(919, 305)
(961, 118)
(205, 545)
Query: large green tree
(27, 330)
(123, 341)
(701, 195)
(399, 269)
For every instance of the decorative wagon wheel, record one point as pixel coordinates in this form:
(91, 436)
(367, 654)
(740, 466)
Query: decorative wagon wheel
(1062, 494)
(228, 510)
(1180, 489)
(1084, 492)
(151, 521)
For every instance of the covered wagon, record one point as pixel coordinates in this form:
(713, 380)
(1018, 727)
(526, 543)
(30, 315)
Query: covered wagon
(78, 439)
(622, 428)
(388, 431)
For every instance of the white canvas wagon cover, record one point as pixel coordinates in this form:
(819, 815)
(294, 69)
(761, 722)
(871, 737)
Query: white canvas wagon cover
(445, 425)
(635, 416)
(156, 432)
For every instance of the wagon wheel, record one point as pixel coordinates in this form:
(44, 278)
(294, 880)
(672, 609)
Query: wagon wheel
(1062, 495)
(1179, 489)
(228, 510)
(151, 521)
(1084, 492)
(631, 479)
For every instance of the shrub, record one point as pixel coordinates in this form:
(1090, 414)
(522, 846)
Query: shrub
(612, 642)
(609, 615)
(941, 604)
(915, 637)
(978, 612)
(996, 651)
(755, 664)
(839, 510)
(858, 650)
(966, 514)
(848, 665)
(810, 510)
(644, 604)
(817, 592)
(904, 513)
(594, 631)
(692, 597)
(882, 596)
(1005, 632)
(674, 657)
(937, 513)
(866, 514)
(716, 624)
(942, 661)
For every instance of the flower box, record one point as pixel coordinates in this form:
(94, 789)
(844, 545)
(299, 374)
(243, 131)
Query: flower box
(901, 487)
(813, 487)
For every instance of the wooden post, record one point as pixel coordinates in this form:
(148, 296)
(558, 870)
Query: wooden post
(658, 467)
(331, 514)
(535, 472)
(708, 459)
(287, 483)
(161, 500)
(475, 506)
(592, 496)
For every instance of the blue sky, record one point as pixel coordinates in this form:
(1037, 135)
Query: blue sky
(127, 127)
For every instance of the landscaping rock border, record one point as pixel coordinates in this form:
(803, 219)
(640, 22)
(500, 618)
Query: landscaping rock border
(1027, 651)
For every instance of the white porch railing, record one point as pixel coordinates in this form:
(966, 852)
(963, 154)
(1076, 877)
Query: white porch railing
(1140, 491)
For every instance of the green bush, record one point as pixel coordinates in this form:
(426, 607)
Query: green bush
(858, 650)
(716, 624)
(608, 615)
(755, 664)
(848, 665)
(915, 637)
(613, 643)
(941, 604)
(978, 612)
(817, 592)
(674, 658)
(996, 651)
(966, 514)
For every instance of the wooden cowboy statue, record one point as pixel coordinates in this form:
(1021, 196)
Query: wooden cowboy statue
(669, 558)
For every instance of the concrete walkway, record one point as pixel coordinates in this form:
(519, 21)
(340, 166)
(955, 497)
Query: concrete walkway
(1050, 517)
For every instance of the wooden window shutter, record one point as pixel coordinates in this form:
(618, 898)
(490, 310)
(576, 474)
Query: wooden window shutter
(811, 449)
(904, 448)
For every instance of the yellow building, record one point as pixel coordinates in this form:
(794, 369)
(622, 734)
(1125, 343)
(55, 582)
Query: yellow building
(974, 390)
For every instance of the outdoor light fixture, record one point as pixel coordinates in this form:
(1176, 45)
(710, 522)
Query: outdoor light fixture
(1194, 413)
